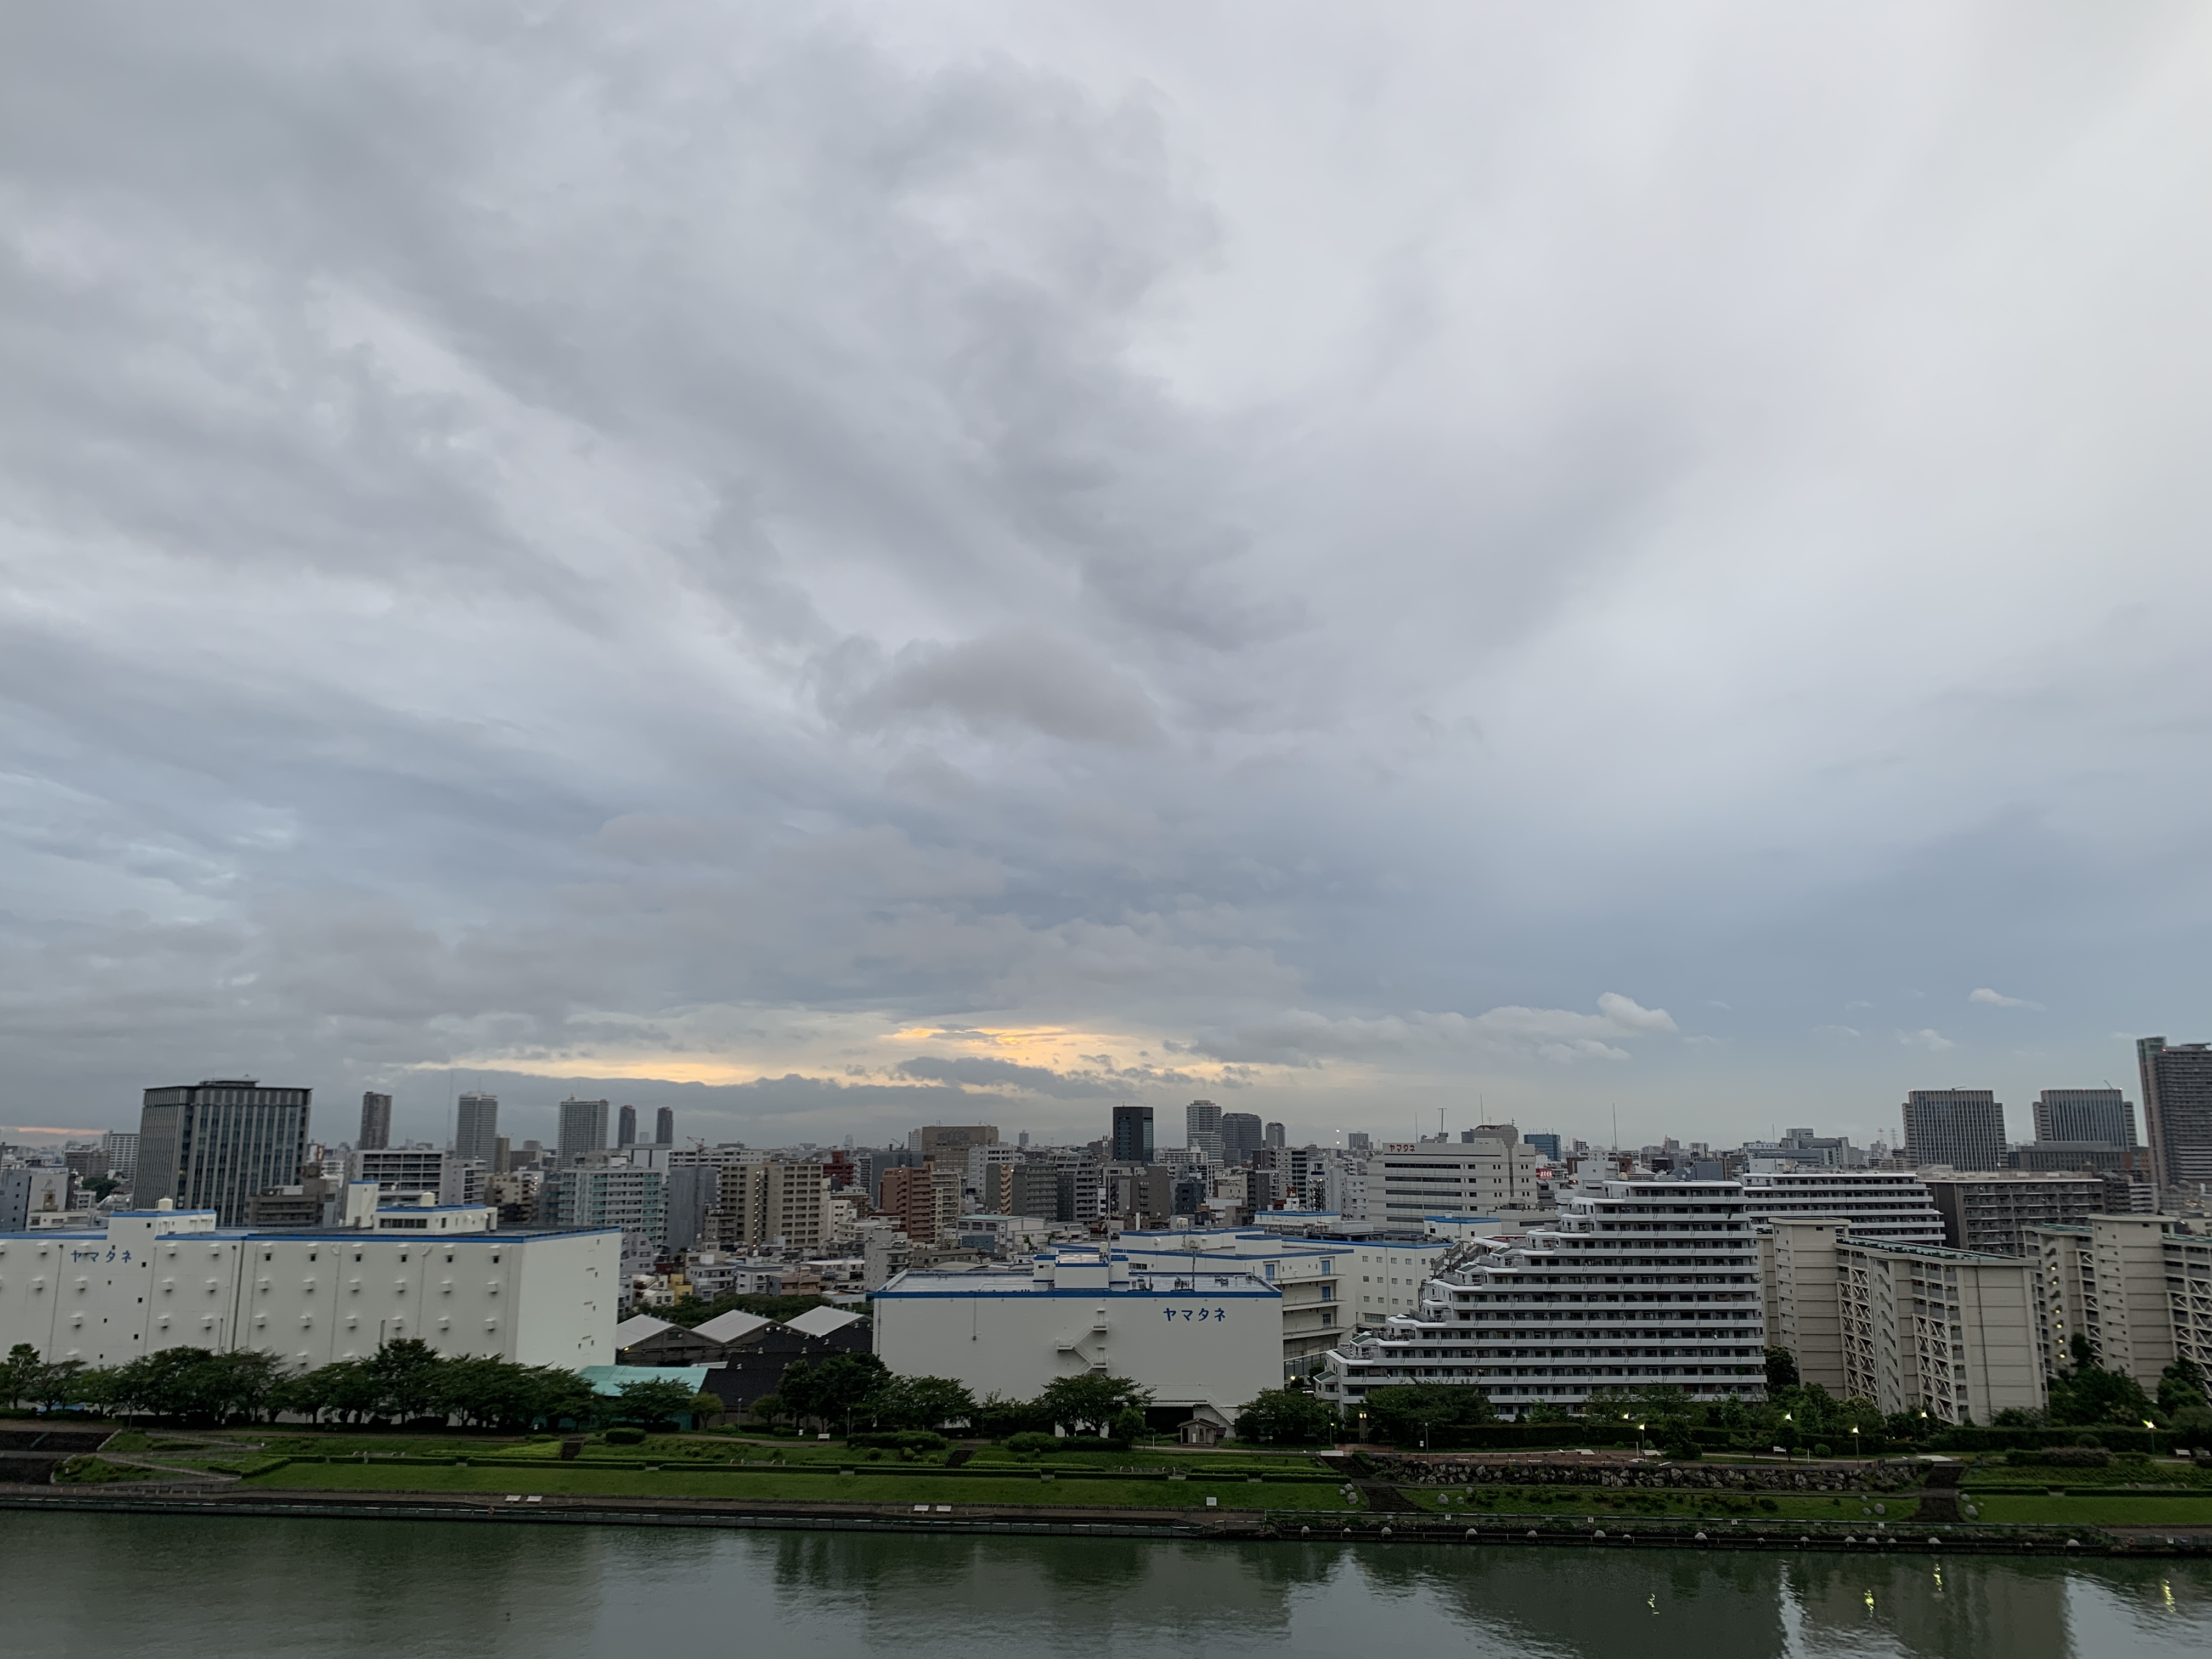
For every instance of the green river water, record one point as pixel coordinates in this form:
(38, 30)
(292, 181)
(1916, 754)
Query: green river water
(77, 1585)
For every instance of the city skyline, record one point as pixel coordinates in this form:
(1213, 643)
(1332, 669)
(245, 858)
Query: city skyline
(1659, 577)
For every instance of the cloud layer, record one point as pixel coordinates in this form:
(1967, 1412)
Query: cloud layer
(684, 544)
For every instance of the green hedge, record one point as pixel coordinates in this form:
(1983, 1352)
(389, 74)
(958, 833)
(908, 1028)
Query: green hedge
(2110, 1438)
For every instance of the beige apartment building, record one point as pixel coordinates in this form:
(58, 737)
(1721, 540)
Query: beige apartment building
(1910, 1326)
(2139, 1287)
(779, 1205)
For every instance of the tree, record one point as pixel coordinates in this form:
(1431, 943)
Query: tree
(1781, 1369)
(407, 1381)
(921, 1402)
(1286, 1416)
(837, 1390)
(19, 1374)
(2181, 1388)
(771, 1409)
(1409, 1413)
(1089, 1400)
(652, 1399)
(2088, 1393)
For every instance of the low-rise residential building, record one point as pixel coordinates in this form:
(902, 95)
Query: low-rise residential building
(1637, 1284)
(1203, 1339)
(1391, 1271)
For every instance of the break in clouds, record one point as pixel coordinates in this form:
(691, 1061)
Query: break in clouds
(835, 567)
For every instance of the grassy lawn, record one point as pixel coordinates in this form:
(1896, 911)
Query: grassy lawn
(577, 1479)
(2189, 1511)
(1659, 1506)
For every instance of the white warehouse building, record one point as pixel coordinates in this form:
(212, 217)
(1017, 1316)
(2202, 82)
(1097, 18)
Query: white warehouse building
(1204, 1339)
(161, 1279)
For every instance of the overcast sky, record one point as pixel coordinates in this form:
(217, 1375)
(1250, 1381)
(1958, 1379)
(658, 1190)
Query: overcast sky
(842, 568)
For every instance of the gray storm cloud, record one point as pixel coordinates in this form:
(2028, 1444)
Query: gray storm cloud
(679, 545)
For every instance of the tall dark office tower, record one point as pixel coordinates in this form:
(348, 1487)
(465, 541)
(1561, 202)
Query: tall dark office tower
(1242, 1135)
(1962, 1127)
(583, 1128)
(375, 1124)
(664, 1127)
(2177, 1090)
(1133, 1135)
(213, 1145)
(626, 1127)
(2094, 1115)
(476, 1128)
(1277, 1135)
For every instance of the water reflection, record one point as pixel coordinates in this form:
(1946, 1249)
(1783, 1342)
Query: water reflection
(196, 1589)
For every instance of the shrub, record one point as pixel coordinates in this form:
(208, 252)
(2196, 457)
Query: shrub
(1029, 1443)
(2061, 1457)
(624, 1436)
(902, 1440)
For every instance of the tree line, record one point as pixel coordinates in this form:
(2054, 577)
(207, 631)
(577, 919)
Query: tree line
(405, 1381)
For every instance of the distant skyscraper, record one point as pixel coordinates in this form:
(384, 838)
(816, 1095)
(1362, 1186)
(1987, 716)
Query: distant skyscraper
(1242, 1135)
(1202, 1130)
(1277, 1135)
(663, 1127)
(1133, 1135)
(476, 1128)
(626, 1127)
(1962, 1127)
(2096, 1114)
(375, 1121)
(1359, 1141)
(583, 1129)
(1544, 1142)
(2177, 1090)
(212, 1145)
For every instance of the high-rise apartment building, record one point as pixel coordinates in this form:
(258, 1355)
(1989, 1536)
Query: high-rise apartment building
(583, 1128)
(777, 1205)
(1201, 1134)
(626, 1127)
(476, 1128)
(1276, 1135)
(2086, 1116)
(1912, 1327)
(375, 1119)
(923, 1199)
(1639, 1284)
(213, 1145)
(663, 1126)
(122, 1155)
(2138, 1287)
(1962, 1127)
(1242, 1135)
(1991, 1214)
(2177, 1091)
(1133, 1135)
(591, 1195)
(1893, 1205)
